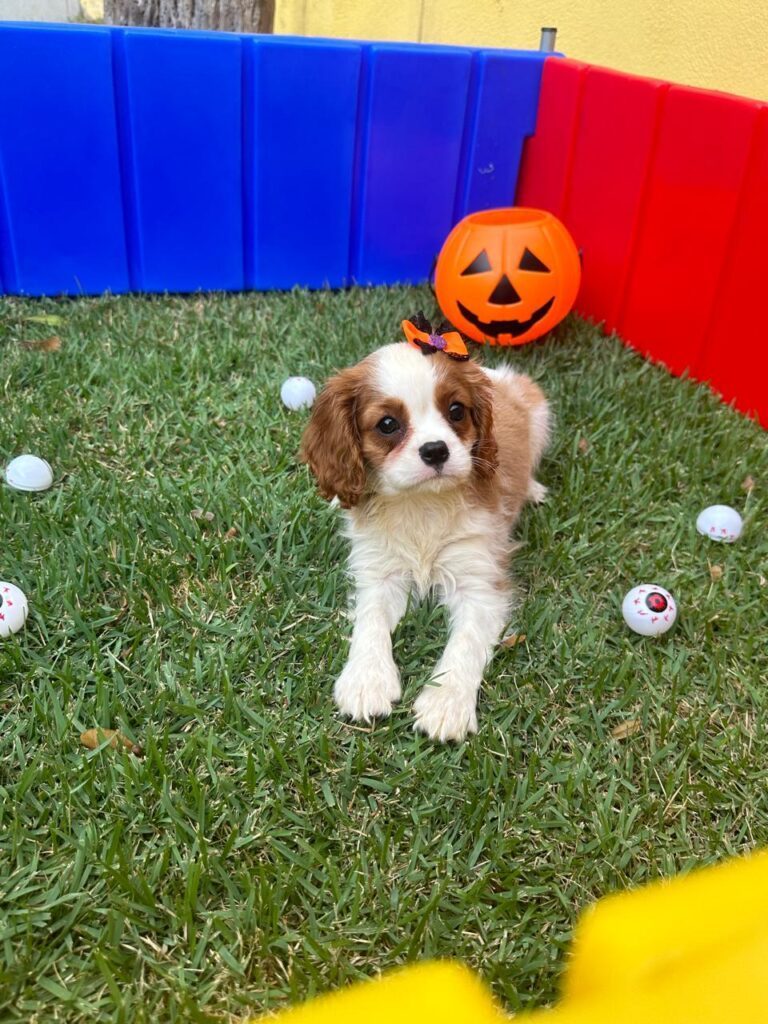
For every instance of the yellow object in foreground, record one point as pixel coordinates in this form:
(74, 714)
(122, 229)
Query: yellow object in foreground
(441, 992)
(690, 951)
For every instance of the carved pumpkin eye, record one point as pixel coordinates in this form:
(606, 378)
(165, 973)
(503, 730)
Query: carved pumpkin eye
(531, 262)
(479, 265)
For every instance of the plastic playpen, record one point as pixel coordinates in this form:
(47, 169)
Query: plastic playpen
(141, 160)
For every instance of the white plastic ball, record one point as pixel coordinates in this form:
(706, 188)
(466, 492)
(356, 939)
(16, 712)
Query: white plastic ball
(298, 393)
(649, 609)
(29, 473)
(720, 522)
(13, 609)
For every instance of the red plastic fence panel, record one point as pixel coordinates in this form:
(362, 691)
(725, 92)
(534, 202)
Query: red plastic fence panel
(547, 154)
(613, 149)
(665, 189)
(686, 224)
(735, 354)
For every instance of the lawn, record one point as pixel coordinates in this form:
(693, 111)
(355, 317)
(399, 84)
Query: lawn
(187, 587)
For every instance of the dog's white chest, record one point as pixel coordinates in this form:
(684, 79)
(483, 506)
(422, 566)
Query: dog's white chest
(430, 539)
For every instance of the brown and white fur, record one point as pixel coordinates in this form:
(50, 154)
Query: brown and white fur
(415, 526)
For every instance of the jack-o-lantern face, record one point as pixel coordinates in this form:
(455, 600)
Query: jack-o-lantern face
(507, 276)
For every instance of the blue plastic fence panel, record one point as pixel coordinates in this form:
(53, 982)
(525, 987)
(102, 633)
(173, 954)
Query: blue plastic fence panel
(181, 95)
(61, 217)
(177, 161)
(502, 113)
(303, 150)
(411, 134)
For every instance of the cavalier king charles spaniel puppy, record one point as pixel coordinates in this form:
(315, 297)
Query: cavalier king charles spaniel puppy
(432, 458)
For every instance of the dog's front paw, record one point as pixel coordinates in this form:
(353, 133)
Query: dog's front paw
(367, 689)
(445, 712)
(537, 493)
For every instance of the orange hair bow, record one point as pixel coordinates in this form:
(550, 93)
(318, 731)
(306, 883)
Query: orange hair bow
(418, 332)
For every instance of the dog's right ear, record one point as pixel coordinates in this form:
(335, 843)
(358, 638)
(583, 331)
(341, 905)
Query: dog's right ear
(331, 443)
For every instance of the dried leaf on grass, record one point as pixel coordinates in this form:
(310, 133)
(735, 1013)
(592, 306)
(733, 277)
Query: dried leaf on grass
(94, 738)
(583, 445)
(748, 483)
(198, 513)
(624, 730)
(44, 318)
(514, 639)
(716, 572)
(231, 532)
(52, 344)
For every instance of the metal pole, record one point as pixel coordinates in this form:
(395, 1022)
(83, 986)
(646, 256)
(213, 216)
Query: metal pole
(547, 40)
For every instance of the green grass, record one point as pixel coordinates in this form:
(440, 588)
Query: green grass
(262, 850)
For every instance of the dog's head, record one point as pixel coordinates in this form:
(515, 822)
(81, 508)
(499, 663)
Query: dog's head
(401, 421)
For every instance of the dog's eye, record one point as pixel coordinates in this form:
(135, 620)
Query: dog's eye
(456, 412)
(388, 425)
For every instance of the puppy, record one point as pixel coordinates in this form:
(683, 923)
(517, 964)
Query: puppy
(432, 460)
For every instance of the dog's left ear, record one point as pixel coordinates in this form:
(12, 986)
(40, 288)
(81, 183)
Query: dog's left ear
(485, 452)
(331, 443)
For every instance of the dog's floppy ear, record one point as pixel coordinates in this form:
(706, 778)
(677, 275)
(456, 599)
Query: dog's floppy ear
(331, 443)
(485, 452)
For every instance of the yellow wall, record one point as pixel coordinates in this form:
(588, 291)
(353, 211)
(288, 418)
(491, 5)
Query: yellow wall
(718, 44)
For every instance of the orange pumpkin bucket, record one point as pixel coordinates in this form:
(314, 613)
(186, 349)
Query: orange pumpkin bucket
(507, 276)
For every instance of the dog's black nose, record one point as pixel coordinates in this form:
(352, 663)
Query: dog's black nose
(434, 453)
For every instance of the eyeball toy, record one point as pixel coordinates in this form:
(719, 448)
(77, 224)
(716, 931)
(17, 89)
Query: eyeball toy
(720, 522)
(28, 473)
(649, 609)
(298, 393)
(13, 609)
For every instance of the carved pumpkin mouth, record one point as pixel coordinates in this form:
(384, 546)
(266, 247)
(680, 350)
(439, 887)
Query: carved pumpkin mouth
(494, 328)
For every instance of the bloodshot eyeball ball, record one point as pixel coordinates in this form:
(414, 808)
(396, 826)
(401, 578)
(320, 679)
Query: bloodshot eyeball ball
(13, 609)
(649, 609)
(28, 473)
(298, 393)
(720, 522)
